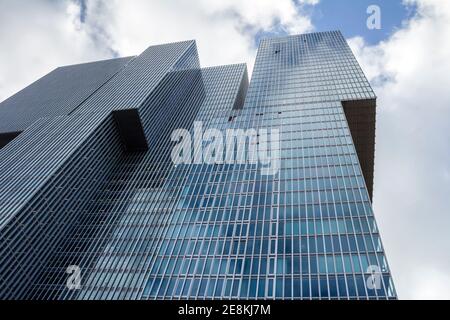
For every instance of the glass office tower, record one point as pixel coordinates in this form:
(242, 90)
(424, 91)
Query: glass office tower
(88, 182)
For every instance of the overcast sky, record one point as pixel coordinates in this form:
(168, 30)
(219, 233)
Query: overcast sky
(407, 62)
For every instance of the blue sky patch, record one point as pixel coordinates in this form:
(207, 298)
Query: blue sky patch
(350, 17)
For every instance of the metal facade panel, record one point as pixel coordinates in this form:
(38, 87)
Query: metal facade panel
(56, 94)
(38, 167)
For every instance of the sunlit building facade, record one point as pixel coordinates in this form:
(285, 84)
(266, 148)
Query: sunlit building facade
(92, 205)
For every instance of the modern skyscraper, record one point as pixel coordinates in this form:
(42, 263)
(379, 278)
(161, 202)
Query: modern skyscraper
(93, 206)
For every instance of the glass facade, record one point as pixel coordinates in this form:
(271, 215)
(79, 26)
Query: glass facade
(140, 227)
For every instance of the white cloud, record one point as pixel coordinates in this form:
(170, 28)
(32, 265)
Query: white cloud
(224, 30)
(38, 36)
(410, 72)
(41, 35)
(430, 284)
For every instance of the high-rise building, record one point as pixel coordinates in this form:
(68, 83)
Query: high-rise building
(94, 206)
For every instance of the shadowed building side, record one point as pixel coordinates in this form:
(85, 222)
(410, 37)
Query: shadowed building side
(50, 172)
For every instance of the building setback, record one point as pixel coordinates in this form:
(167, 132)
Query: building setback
(87, 181)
